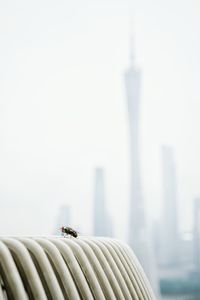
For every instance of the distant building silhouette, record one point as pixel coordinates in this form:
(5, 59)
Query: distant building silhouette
(138, 234)
(197, 233)
(102, 223)
(169, 229)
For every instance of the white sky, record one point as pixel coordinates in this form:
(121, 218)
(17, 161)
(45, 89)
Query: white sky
(63, 106)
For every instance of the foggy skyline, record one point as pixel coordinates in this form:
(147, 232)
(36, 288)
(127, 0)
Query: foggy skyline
(63, 109)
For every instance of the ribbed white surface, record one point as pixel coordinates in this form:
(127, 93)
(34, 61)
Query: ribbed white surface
(69, 268)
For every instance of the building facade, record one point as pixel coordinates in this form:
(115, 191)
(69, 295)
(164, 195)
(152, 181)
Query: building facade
(138, 236)
(102, 223)
(169, 229)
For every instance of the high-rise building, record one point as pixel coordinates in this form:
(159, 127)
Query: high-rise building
(138, 235)
(169, 230)
(102, 223)
(197, 233)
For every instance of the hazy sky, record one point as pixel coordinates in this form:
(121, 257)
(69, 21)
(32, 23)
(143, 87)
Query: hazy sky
(63, 107)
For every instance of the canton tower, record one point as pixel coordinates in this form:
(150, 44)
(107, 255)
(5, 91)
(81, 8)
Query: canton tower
(137, 226)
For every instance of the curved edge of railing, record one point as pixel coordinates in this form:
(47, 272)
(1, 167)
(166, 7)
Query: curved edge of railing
(70, 268)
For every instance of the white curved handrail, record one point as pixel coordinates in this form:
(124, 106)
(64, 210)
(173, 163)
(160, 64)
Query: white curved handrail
(67, 282)
(10, 272)
(60, 268)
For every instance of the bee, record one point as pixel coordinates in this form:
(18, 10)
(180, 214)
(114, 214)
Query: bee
(68, 231)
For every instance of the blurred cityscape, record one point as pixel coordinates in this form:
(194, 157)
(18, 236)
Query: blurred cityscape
(170, 258)
(103, 141)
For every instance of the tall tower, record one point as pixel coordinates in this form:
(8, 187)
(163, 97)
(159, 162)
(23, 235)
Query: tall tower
(137, 226)
(102, 224)
(169, 239)
(197, 233)
(139, 236)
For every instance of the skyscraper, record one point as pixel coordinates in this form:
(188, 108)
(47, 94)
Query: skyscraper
(102, 223)
(169, 233)
(137, 225)
(197, 233)
(139, 235)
